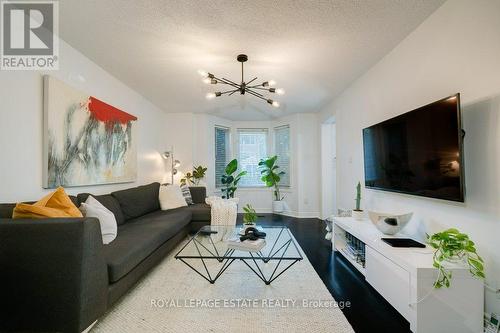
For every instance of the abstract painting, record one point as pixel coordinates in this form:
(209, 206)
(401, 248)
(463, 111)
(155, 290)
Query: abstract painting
(86, 141)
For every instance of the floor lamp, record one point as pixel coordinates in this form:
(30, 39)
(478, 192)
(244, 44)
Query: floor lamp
(174, 163)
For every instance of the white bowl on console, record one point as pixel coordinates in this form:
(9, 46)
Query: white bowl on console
(389, 224)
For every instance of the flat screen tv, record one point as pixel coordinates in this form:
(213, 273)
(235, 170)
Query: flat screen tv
(419, 152)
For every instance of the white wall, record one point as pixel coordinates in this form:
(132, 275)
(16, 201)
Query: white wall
(328, 170)
(455, 50)
(21, 115)
(194, 143)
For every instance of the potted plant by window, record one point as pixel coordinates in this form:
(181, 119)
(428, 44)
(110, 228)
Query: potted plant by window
(271, 176)
(358, 213)
(230, 181)
(249, 217)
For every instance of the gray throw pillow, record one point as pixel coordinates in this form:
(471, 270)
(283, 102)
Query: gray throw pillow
(186, 193)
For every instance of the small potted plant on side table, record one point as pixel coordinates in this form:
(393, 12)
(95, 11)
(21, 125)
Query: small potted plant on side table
(249, 217)
(358, 213)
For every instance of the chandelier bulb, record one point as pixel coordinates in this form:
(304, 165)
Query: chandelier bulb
(280, 91)
(203, 73)
(207, 80)
(272, 82)
(276, 104)
(210, 95)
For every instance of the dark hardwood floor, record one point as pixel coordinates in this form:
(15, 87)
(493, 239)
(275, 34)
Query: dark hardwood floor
(369, 311)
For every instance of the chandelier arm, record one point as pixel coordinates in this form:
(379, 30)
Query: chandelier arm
(234, 83)
(233, 92)
(256, 86)
(229, 91)
(255, 78)
(226, 81)
(254, 92)
(256, 95)
(260, 88)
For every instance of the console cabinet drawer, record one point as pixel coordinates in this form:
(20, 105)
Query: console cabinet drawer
(390, 280)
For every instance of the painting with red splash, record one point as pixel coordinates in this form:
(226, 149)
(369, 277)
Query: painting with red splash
(86, 141)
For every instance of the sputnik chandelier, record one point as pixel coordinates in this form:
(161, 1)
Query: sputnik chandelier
(243, 87)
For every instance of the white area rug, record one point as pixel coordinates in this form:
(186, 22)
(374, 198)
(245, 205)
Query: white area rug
(238, 302)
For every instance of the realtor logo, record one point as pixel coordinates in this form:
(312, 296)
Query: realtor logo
(29, 35)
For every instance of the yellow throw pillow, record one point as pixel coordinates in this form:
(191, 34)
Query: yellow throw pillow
(55, 204)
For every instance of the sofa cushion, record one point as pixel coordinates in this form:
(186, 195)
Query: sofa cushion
(93, 208)
(186, 193)
(6, 209)
(171, 197)
(138, 201)
(140, 237)
(107, 201)
(201, 212)
(55, 204)
(198, 193)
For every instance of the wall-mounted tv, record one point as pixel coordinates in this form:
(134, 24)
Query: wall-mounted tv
(419, 152)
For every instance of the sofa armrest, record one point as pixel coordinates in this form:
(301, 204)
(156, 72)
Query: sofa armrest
(198, 193)
(54, 276)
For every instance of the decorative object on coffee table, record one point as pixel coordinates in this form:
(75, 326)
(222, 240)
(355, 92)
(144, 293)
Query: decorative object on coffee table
(249, 217)
(358, 213)
(389, 224)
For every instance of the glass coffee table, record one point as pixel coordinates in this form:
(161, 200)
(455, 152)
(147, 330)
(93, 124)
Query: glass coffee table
(204, 253)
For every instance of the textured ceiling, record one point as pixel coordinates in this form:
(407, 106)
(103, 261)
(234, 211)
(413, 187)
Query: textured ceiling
(313, 49)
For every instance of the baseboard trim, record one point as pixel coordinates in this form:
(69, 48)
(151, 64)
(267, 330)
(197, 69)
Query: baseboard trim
(301, 215)
(90, 327)
(291, 213)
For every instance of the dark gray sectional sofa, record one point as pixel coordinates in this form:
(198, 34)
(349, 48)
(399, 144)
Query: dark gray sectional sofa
(56, 275)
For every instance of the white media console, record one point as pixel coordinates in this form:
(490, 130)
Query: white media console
(405, 277)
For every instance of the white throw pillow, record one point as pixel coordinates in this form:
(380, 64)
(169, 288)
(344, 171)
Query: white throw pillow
(171, 197)
(93, 208)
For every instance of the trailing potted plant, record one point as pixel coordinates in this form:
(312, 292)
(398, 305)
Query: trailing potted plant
(358, 213)
(271, 176)
(249, 217)
(230, 181)
(194, 178)
(452, 246)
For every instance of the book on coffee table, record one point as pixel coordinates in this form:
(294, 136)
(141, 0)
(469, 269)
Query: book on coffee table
(247, 245)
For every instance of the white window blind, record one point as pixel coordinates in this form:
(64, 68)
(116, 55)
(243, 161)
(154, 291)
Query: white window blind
(221, 153)
(282, 150)
(252, 147)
